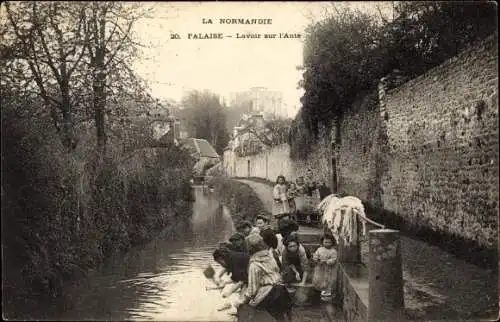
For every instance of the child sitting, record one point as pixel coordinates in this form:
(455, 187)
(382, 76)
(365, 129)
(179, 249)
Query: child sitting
(325, 270)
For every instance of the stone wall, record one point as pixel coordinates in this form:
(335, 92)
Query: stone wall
(353, 289)
(276, 161)
(442, 133)
(267, 165)
(359, 150)
(426, 150)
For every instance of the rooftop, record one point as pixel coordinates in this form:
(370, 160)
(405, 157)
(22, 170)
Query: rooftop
(202, 146)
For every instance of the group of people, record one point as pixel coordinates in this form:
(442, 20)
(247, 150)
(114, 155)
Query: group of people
(261, 261)
(292, 198)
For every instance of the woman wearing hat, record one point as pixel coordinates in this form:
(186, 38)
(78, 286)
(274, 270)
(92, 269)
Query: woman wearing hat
(265, 290)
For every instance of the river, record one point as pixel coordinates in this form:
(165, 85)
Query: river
(162, 280)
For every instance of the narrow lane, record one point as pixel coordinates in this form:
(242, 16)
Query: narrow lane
(438, 285)
(265, 193)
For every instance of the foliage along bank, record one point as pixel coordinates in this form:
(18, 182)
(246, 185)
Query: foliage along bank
(63, 213)
(240, 199)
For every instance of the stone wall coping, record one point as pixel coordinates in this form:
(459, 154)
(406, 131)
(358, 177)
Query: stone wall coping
(357, 276)
(475, 47)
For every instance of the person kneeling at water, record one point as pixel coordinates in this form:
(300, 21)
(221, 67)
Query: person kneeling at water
(236, 264)
(269, 236)
(295, 260)
(265, 290)
(233, 263)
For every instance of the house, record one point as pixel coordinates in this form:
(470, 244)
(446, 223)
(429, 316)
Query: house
(203, 152)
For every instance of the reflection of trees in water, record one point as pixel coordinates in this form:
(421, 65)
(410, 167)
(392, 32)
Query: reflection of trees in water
(211, 222)
(135, 284)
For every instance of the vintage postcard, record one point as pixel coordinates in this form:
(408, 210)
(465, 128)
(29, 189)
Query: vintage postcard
(249, 161)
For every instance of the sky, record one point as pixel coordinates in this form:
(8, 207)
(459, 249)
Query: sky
(174, 66)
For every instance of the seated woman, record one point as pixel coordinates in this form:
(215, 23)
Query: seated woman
(264, 289)
(295, 260)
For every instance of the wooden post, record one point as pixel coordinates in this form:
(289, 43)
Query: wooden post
(267, 166)
(386, 296)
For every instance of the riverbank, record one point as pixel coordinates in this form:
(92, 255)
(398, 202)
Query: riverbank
(161, 280)
(241, 200)
(64, 213)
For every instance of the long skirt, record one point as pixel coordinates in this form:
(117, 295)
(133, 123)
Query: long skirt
(324, 276)
(280, 208)
(278, 302)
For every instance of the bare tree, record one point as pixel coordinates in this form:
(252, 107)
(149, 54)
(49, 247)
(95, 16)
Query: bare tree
(51, 47)
(108, 26)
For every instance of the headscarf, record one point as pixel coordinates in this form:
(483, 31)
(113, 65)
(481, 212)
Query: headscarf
(255, 243)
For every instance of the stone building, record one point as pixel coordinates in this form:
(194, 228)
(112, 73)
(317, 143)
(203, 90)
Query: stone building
(260, 100)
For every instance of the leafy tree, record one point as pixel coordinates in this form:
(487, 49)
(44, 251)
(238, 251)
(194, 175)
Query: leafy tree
(341, 59)
(76, 58)
(425, 34)
(110, 47)
(206, 118)
(272, 133)
(347, 53)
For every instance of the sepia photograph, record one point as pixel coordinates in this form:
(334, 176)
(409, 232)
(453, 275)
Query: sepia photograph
(243, 161)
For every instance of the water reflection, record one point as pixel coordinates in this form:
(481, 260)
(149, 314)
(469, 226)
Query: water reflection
(159, 281)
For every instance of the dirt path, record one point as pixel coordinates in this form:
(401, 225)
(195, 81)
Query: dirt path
(265, 193)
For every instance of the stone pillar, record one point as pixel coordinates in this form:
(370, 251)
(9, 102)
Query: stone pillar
(386, 296)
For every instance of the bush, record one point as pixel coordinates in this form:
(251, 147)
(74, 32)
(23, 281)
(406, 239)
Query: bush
(241, 200)
(64, 212)
(216, 171)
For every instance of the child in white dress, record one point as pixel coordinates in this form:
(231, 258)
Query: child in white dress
(325, 269)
